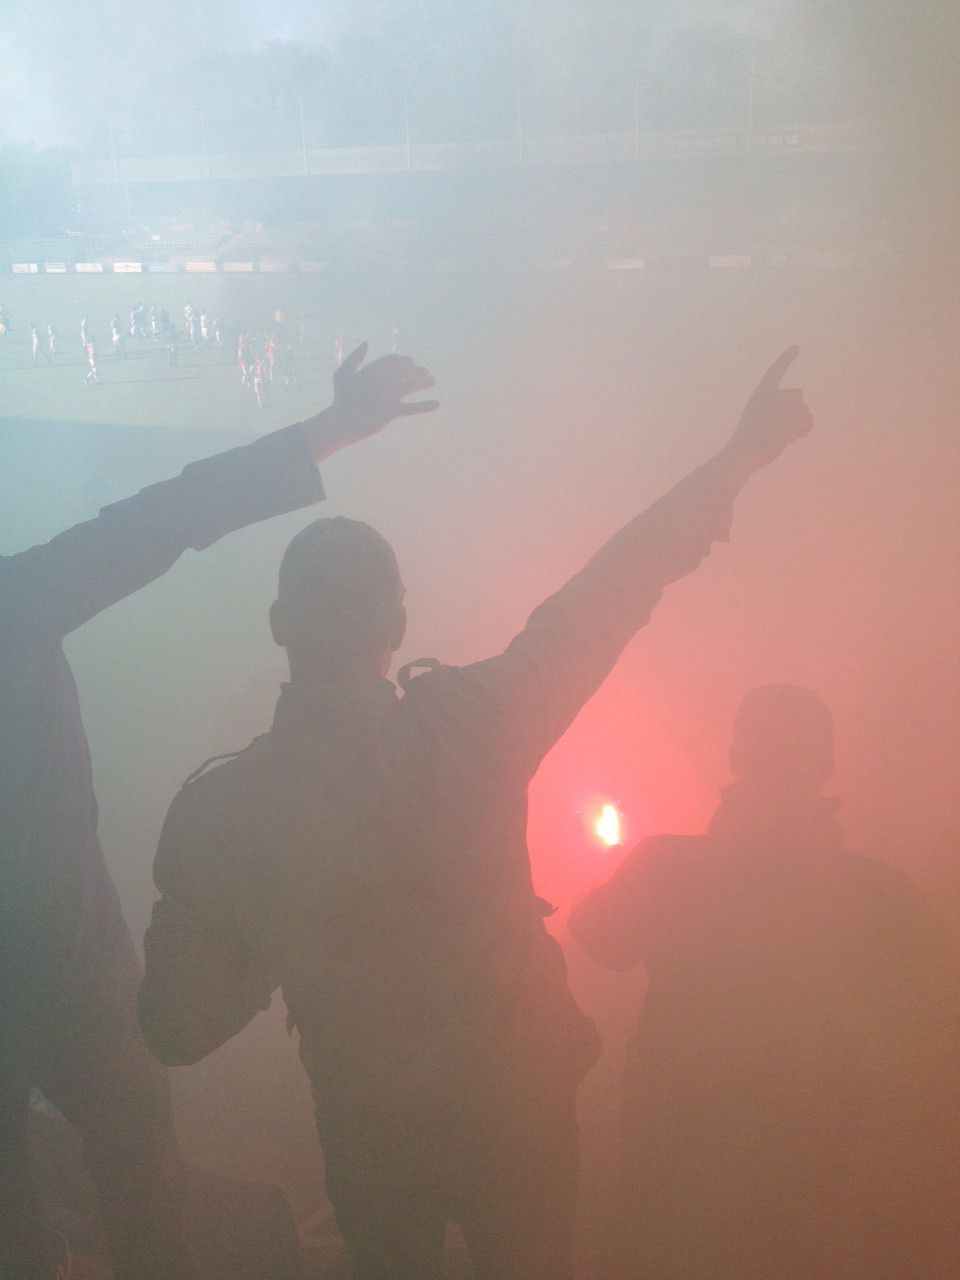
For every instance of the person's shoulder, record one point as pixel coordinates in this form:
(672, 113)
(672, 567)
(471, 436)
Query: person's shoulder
(898, 890)
(428, 679)
(429, 683)
(421, 675)
(670, 844)
(671, 850)
(456, 704)
(888, 892)
(879, 876)
(664, 859)
(225, 779)
(907, 916)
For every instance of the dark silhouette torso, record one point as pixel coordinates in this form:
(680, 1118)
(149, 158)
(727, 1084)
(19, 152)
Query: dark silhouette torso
(780, 1089)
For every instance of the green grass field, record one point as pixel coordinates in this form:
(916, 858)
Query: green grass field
(204, 389)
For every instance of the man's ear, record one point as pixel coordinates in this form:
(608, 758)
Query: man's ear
(399, 629)
(277, 628)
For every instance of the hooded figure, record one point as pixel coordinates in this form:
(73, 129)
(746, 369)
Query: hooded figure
(783, 1090)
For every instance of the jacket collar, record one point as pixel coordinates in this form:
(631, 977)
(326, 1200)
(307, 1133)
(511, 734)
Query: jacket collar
(301, 706)
(754, 820)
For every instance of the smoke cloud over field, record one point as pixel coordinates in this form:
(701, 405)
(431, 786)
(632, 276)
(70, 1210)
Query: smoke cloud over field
(594, 329)
(184, 78)
(73, 71)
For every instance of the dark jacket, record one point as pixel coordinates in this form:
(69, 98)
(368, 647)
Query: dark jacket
(368, 855)
(789, 1091)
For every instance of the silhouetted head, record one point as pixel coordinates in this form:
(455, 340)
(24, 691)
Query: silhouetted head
(783, 739)
(339, 607)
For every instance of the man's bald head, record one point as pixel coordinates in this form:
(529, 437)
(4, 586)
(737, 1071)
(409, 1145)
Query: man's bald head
(339, 591)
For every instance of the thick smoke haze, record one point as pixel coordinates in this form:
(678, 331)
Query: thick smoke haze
(71, 72)
(66, 67)
(191, 77)
(566, 406)
(572, 395)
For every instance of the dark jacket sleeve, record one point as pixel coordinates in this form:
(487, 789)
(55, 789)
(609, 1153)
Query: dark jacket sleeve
(610, 922)
(200, 985)
(519, 703)
(52, 589)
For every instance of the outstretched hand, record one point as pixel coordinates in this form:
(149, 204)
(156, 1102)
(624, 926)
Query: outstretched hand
(772, 419)
(367, 398)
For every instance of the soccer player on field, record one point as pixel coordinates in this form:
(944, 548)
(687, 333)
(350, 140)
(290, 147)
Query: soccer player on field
(93, 374)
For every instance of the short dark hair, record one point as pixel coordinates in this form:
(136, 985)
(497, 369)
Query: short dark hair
(783, 731)
(340, 578)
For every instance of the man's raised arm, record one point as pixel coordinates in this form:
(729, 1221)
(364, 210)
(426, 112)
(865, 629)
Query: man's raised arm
(527, 696)
(52, 589)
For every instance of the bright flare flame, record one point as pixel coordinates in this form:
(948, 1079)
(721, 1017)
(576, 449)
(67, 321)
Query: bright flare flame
(608, 826)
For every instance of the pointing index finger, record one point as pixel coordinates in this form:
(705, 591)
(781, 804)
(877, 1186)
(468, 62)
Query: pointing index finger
(771, 379)
(355, 359)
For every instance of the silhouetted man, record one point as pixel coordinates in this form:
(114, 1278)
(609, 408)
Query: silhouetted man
(69, 972)
(787, 1111)
(368, 855)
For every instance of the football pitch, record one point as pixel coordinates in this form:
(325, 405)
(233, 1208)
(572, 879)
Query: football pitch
(143, 388)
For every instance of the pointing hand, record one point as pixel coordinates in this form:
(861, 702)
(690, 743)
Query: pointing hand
(772, 419)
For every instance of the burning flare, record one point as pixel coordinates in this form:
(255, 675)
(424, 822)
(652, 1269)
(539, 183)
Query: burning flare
(608, 826)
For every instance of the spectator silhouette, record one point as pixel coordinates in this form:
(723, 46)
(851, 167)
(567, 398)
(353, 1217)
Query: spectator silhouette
(68, 968)
(787, 1106)
(368, 855)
